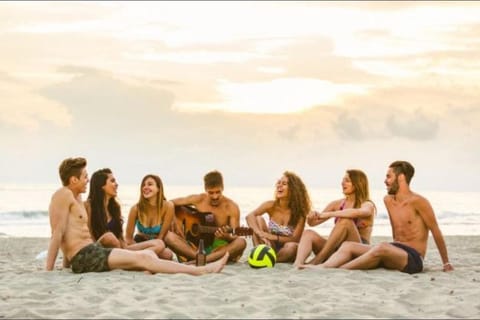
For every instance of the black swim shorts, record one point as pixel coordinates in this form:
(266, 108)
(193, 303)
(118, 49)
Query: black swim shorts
(415, 261)
(91, 258)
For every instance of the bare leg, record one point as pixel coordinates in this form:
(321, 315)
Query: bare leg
(310, 241)
(344, 230)
(263, 226)
(155, 245)
(179, 245)
(234, 248)
(146, 260)
(347, 252)
(288, 252)
(387, 255)
(109, 240)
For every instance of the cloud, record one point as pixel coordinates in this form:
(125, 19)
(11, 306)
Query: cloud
(97, 99)
(417, 126)
(22, 106)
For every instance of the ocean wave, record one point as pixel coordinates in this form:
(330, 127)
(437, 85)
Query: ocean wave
(24, 214)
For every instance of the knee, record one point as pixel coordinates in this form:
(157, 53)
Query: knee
(309, 234)
(380, 249)
(110, 240)
(291, 246)
(344, 222)
(241, 243)
(159, 244)
(346, 246)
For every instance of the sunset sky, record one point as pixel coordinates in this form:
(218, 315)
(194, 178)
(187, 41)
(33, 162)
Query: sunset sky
(249, 88)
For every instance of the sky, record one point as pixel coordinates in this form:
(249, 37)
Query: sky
(248, 88)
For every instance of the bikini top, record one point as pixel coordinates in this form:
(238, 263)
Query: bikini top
(342, 206)
(276, 228)
(111, 224)
(154, 230)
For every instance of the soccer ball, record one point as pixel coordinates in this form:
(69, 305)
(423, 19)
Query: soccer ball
(262, 256)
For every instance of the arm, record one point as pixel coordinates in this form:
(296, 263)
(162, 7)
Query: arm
(88, 208)
(132, 217)
(58, 212)
(425, 210)
(234, 222)
(386, 201)
(314, 217)
(167, 220)
(251, 217)
(366, 209)
(191, 199)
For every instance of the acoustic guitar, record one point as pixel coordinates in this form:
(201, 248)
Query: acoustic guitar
(195, 225)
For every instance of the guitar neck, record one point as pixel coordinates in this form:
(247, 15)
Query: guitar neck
(210, 229)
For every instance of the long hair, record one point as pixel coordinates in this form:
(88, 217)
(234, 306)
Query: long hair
(298, 201)
(143, 203)
(360, 183)
(96, 197)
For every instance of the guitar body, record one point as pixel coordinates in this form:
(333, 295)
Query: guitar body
(192, 222)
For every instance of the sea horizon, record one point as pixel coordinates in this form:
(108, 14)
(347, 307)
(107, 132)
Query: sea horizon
(24, 207)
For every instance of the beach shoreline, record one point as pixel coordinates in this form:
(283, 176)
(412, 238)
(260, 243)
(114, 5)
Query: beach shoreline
(28, 291)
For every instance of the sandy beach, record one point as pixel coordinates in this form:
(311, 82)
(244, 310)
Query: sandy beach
(27, 291)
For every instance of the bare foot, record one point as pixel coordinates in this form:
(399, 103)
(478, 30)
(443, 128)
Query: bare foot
(218, 265)
(310, 266)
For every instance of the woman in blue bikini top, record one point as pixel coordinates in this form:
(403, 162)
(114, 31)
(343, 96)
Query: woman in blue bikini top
(150, 213)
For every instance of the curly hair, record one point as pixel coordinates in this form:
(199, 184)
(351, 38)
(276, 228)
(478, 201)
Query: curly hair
(96, 198)
(298, 201)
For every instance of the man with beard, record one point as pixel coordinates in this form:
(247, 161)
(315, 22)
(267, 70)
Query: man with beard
(411, 217)
(226, 217)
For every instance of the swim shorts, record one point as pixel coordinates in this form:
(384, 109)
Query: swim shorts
(91, 258)
(217, 243)
(415, 261)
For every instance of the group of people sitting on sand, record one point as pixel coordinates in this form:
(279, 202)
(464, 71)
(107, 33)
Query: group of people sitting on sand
(92, 238)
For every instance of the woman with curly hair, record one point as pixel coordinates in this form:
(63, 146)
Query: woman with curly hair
(287, 214)
(353, 214)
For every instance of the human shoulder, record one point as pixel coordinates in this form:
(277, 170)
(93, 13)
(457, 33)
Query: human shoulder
(62, 195)
(418, 201)
(192, 199)
(387, 198)
(334, 205)
(230, 202)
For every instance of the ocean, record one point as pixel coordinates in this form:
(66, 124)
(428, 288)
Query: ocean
(24, 207)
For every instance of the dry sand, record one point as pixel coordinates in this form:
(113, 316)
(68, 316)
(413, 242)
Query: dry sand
(27, 291)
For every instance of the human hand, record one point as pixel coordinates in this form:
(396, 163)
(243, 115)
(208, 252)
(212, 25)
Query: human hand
(447, 267)
(222, 232)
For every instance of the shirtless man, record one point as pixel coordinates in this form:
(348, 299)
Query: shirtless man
(226, 214)
(411, 217)
(70, 233)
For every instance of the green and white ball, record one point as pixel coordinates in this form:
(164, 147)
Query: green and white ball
(262, 256)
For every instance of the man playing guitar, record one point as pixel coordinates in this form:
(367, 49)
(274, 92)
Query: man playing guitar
(216, 210)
